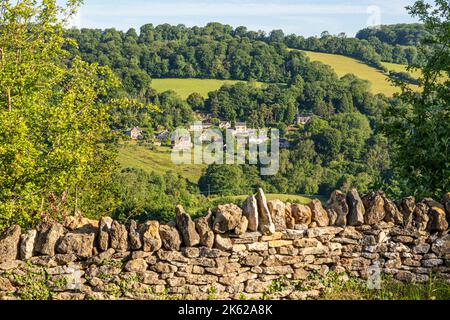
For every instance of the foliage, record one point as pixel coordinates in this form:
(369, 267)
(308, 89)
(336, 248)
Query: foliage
(54, 117)
(419, 127)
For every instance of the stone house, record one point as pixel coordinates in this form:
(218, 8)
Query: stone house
(135, 133)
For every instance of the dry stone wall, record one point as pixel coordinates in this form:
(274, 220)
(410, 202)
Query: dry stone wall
(232, 252)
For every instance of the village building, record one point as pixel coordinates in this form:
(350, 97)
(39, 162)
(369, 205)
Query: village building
(182, 143)
(224, 125)
(135, 133)
(303, 119)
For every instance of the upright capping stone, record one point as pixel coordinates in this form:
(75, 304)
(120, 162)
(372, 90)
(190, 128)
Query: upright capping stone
(393, 213)
(151, 240)
(438, 222)
(9, 244)
(27, 241)
(170, 237)
(421, 216)
(277, 210)
(119, 237)
(319, 214)
(374, 206)
(446, 203)
(290, 221)
(407, 206)
(338, 204)
(186, 227)
(250, 211)
(79, 244)
(227, 218)
(356, 208)
(266, 225)
(301, 213)
(104, 230)
(48, 235)
(203, 226)
(134, 235)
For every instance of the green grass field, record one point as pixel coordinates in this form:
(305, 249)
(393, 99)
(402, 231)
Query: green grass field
(343, 65)
(132, 155)
(184, 87)
(402, 68)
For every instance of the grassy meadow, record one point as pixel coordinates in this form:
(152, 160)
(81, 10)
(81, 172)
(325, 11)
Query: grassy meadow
(184, 87)
(343, 65)
(158, 160)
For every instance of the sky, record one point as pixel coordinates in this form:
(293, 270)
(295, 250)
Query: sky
(302, 17)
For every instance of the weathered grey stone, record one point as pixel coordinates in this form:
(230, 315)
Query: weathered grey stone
(170, 237)
(227, 218)
(134, 236)
(407, 206)
(186, 227)
(266, 225)
(119, 237)
(374, 207)
(251, 260)
(317, 232)
(250, 211)
(151, 240)
(80, 244)
(48, 235)
(203, 226)
(138, 265)
(223, 242)
(27, 241)
(302, 214)
(421, 217)
(356, 208)
(438, 222)
(103, 233)
(441, 246)
(242, 226)
(337, 207)
(9, 244)
(393, 214)
(332, 217)
(278, 213)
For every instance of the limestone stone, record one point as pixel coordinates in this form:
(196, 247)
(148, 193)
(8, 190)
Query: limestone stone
(118, 237)
(307, 243)
(421, 217)
(277, 210)
(438, 222)
(242, 226)
(105, 225)
(227, 218)
(319, 214)
(9, 244)
(170, 237)
(186, 227)
(317, 232)
(27, 241)
(250, 211)
(356, 208)
(374, 207)
(251, 260)
(79, 244)
(441, 246)
(290, 221)
(407, 206)
(48, 235)
(137, 265)
(257, 246)
(203, 226)
(266, 225)
(151, 240)
(134, 236)
(338, 208)
(446, 202)
(302, 214)
(223, 242)
(393, 213)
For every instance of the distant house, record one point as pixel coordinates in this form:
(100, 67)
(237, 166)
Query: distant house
(182, 143)
(196, 127)
(224, 125)
(240, 128)
(135, 133)
(163, 135)
(303, 119)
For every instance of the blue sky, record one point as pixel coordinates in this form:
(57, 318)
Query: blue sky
(304, 17)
